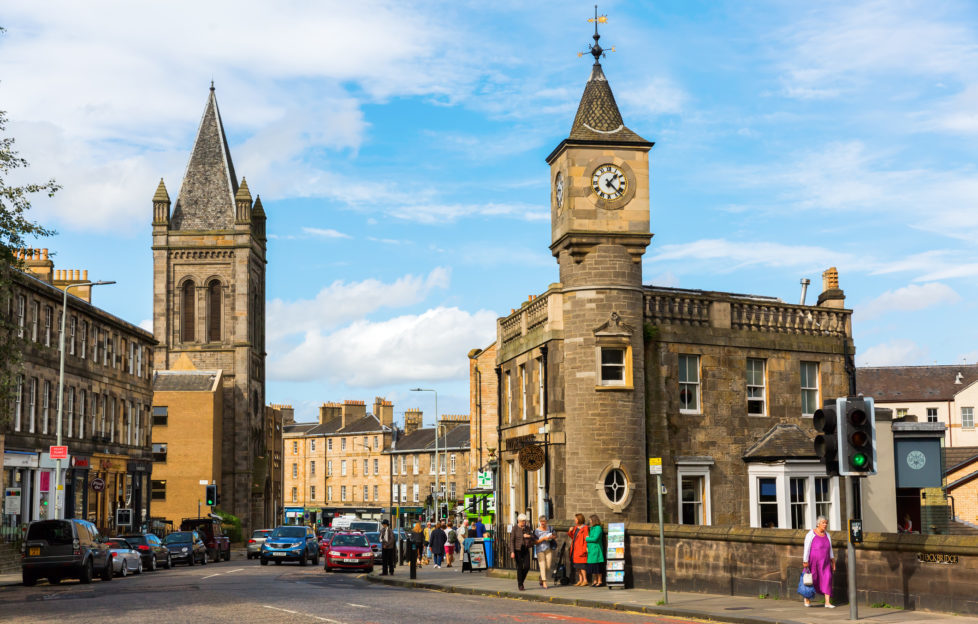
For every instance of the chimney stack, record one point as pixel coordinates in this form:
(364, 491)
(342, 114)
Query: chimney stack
(352, 411)
(329, 412)
(384, 411)
(832, 296)
(412, 421)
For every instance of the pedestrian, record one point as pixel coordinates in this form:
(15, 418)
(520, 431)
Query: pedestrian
(427, 542)
(480, 528)
(819, 560)
(521, 539)
(388, 544)
(595, 552)
(545, 545)
(436, 541)
(417, 541)
(450, 544)
(578, 535)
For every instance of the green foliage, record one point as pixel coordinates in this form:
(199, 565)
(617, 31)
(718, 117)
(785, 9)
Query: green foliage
(231, 525)
(15, 230)
(882, 605)
(660, 602)
(651, 332)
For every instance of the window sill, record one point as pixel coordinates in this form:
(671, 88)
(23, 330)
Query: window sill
(690, 412)
(607, 388)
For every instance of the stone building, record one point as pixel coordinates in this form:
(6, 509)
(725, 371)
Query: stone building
(600, 373)
(484, 437)
(105, 412)
(337, 466)
(209, 305)
(412, 459)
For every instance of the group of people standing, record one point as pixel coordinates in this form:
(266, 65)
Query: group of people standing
(439, 542)
(586, 550)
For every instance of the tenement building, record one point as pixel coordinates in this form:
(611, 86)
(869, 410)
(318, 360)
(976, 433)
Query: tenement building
(105, 410)
(429, 460)
(600, 374)
(337, 466)
(209, 309)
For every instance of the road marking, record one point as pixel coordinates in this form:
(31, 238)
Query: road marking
(235, 570)
(211, 576)
(350, 604)
(308, 615)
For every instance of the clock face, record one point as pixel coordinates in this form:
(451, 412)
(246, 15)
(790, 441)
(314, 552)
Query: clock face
(609, 182)
(559, 190)
(916, 460)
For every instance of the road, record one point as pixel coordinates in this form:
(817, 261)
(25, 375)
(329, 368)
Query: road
(242, 592)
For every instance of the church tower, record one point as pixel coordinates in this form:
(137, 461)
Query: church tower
(209, 303)
(600, 229)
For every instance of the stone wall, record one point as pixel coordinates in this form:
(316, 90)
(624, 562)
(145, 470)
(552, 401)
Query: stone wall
(926, 572)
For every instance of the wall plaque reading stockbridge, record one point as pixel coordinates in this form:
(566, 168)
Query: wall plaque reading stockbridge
(531, 457)
(937, 558)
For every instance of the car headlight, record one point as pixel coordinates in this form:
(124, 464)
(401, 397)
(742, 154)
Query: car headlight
(184, 549)
(334, 553)
(365, 555)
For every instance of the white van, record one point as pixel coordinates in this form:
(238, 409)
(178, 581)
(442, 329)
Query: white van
(343, 522)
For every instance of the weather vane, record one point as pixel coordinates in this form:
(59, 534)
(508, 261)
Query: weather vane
(596, 50)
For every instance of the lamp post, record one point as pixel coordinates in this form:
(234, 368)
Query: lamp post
(61, 387)
(437, 465)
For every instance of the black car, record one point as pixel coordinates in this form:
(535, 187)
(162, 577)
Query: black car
(186, 547)
(151, 550)
(59, 549)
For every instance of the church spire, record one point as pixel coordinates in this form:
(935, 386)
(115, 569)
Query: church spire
(207, 194)
(598, 117)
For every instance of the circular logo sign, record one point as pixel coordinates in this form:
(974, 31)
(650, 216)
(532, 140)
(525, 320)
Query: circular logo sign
(531, 457)
(98, 484)
(916, 459)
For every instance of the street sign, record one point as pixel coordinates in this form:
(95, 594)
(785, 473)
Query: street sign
(11, 501)
(123, 517)
(655, 465)
(98, 484)
(485, 479)
(59, 452)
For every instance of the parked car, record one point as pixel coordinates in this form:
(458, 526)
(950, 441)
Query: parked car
(59, 549)
(255, 541)
(290, 543)
(365, 526)
(125, 558)
(375, 546)
(211, 531)
(186, 547)
(349, 551)
(151, 549)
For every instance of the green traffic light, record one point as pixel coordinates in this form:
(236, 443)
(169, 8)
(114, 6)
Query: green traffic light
(859, 460)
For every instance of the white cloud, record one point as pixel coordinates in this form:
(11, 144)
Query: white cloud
(325, 233)
(147, 324)
(899, 352)
(657, 96)
(425, 347)
(912, 297)
(726, 256)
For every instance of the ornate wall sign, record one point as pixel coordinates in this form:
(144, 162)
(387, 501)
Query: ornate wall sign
(518, 442)
(937, 558)
(531, 457)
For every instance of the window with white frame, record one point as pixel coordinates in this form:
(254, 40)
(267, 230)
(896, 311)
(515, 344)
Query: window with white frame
(376, 466)
(451, 491)
(756, 397)
(295, 494)
(452, 463)
(366, 467)
(32, 406)
(441, 463)
(799, 503)
(767, 502)
(792, 495)
(342, 444)
(72, 328)
(540, 390)
(376, 490)
(343, 470)
(823, 497)
(366, 492)
(48, 324)
(509, 397)
(511, 474)
(931, 414)
(417, 464)
(376, 443)
(295, 471)
(312, 446)
(415, 492)
(342, 492)
(70, 409)
(329, 492)
(612, 366)
(524, 390)
(18, 402)
(809, 388)
(403, 489)
(366, 442)
(902, 412)
(82, 401)
(329, 444)
(46, 406)
(295, 447)
(312, 468)
(689, 384)
(431, 465)
(84, 339)
(312, 492)
(693, 480)
(967, 418)
(329, 467)
(21, 313)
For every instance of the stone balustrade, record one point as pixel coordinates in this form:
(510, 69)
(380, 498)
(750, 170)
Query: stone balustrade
(540, 312)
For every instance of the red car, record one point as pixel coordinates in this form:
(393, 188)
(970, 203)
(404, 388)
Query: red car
(349, 551)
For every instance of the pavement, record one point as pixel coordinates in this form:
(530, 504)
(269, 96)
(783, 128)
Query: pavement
(735, 609)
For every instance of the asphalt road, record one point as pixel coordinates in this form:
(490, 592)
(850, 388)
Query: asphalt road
(243, 592)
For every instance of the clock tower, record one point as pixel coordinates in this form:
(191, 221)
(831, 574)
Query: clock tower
(600, 228)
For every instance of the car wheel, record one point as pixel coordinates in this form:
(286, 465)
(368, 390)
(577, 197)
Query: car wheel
(192, 559)
(107, 570)
(169, 561)
(227, 553)
(204, 560)
(29, 578)
(152, 564)
(54, 580)
(86, 573)
(315, 559)
(302, 559)
(124, 572)
(264, 561)
(278, 562)
(139, 566)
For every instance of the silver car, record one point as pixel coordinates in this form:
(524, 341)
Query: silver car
(125, 558)
(254, 543)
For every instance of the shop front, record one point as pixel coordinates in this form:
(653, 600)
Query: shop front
(20, 492)
(294, 515)
(138, 499)
(76, 486)
(109, 488)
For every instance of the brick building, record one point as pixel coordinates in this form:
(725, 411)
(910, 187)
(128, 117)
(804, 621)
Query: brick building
(106, 402)
(209, 306)
(599, 373)
(484, 436)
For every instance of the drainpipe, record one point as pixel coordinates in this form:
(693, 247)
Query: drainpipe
(546, 437)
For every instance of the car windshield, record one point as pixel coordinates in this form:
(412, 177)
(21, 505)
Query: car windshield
(349, 540)
(373, 536)
(363, 526)
(117, 543)
(136, 539)
(178, 538)
(261, 534)
(52, 531)
(294, 532)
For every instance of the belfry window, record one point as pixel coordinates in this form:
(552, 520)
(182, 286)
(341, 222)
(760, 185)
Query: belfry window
(214, 311)
(187, 315)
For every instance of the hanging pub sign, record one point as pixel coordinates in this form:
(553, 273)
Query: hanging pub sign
(532, 457)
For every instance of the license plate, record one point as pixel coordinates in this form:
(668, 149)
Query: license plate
(278, 554)
(351, 561)
(35, 551)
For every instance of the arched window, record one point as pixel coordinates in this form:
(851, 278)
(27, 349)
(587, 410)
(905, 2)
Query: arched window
(214, 311)
(188, 317)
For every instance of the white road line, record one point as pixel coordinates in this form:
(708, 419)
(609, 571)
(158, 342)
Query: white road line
(308, 615)
(235, 570)
(211, 576)
(350, 604)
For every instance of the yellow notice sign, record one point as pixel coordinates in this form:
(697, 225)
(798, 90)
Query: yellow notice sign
(655, 465)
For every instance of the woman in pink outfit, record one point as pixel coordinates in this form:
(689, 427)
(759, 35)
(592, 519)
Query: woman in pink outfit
(819, 560)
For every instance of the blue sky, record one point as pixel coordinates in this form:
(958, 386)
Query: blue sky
(399, 148)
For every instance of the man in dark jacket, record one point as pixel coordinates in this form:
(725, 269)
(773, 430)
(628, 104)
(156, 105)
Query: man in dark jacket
(437, 540)
(387, 545)
(521, 540)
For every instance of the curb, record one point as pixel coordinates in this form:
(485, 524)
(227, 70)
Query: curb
(580, 602)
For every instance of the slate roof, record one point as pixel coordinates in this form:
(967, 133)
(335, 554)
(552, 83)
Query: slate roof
(424, 440)
(206, 199)
(914, 383)
(186, 381)
(598, 117)
(783, 441)
(367, 424)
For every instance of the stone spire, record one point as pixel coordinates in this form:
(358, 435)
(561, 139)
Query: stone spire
(207, 195)
(161, 205)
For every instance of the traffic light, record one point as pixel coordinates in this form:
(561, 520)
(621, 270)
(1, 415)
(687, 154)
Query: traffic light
(210, 495)
(826, 422)
(857, 437)
(473, 505)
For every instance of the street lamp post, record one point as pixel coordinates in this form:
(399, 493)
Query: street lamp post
(61, 387)
(437, 465)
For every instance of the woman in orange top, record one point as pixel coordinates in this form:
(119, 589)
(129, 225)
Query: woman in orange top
(578, 533)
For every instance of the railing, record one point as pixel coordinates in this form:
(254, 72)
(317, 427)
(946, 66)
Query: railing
(534, 314)
(786, 319)
(673, 310)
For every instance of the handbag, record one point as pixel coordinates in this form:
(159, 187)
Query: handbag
(806, 578)
(806, 591)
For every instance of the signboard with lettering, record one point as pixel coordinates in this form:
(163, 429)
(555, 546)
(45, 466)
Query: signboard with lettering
(477, 555)
(59, 452)
(123, 517)
(11, 501)
(616, 555)
(485, 479)
(98, 484)
(518, 442)
(655, 465)
(918, 462)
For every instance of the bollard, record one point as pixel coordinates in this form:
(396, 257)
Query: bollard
(414, 562)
